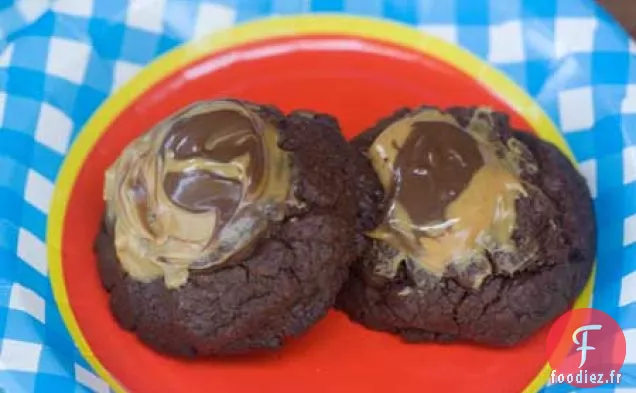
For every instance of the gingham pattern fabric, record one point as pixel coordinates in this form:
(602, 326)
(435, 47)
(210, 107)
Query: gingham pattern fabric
(60, 59)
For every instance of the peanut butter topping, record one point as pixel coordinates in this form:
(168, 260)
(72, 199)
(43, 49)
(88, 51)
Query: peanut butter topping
(195, 190)
(450, 192)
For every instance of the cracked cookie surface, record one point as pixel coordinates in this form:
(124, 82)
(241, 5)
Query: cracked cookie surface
(507, 307)
(281, 287)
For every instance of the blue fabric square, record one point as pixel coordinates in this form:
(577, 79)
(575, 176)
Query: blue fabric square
(63, 102)
(99, 73)
(608, 137)
(610, 38)
(362, 7)
(629, 199)
(46, 161)
(106, 37)
(629, 255)
(610, 183)
(584, 8)
(87, 101)
(71, 27)
(7, 275)
(252, 9)
(16, 145)
(627, 316)
(539, 41)
(138, 46)
(404, 11)
(12, 175)
(55, 362)
(109, 10)
(18, 382)
(43, 27)
(11, 20)
(29, 277)
(516, 72)
(54, 384)
(471, 12)
(34, 221)
(165, 44)
(23, 83)
(628, 128)
(629, 375)
(437, 12)
(12, 204)
(6, 281)
(33, 54)
(612, 62)
(537, 75)
(540, 9)
(327, 5)
(503, 11)
(475, 39)
(582, 144)
(21, 326)
(28, 110)
(8, 241)
(57, 336)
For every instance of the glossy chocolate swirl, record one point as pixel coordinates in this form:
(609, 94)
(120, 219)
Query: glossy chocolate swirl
(450, 192)
(196, 190)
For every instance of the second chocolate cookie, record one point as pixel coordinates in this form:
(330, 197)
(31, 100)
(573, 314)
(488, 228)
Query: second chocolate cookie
(474, 231)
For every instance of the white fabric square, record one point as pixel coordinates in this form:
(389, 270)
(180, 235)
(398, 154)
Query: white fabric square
(589, 171)
(38, 191)
(54, 128)
(576, 109)
(68, 59)
(3, 103)
(630, 340)
(574, 35)
(5, 56)
(146, 15)
(628, 104)
(32, 9)
(32, 251)
(74, 7)
(90, 380)
(628, 290)
(20, 356)
(629, 164)
(123, 72)
(213, 17)
(506, 43)
(24, 299)
(629, 230)
(447, 33)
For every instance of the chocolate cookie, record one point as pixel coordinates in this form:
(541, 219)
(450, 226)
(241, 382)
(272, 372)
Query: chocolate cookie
(474, 231)
(229, 227)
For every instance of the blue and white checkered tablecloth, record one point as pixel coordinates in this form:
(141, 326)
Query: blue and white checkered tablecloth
(60, 59)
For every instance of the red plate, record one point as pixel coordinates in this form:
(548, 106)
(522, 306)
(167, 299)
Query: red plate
(358, 80)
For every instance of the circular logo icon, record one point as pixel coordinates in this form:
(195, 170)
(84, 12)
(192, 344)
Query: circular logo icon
(585, 348)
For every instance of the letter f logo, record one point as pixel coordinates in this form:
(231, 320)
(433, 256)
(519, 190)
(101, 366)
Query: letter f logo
(583, 344)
